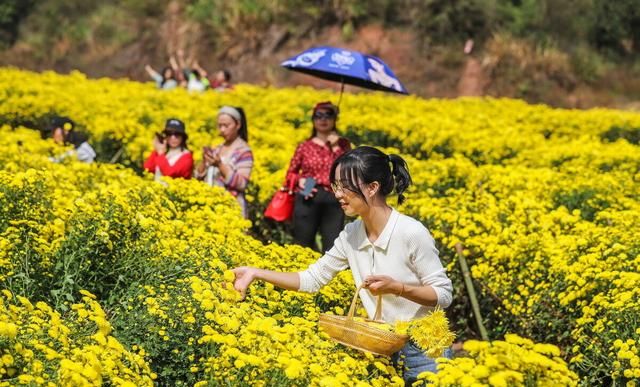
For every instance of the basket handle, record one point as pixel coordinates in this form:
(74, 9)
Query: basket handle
(352, 310)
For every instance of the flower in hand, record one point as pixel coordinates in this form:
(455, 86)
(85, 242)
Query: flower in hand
(382, 284)
(244, 276)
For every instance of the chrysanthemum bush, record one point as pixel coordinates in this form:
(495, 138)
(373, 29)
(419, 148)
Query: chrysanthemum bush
(38, 346)
(543, 201)
(158, 258)
(513, 362)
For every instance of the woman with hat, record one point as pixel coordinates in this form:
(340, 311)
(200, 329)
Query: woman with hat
(229, 164)
(170, 156)
(317, 210)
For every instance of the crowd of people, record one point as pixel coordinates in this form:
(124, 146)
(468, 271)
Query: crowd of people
(389, 254)
(189, 75)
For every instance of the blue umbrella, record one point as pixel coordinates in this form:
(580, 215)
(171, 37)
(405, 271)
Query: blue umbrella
(346, 66)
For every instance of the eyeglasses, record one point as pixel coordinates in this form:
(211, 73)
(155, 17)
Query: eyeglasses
(326, 116)
(337, 186)
(175, 134)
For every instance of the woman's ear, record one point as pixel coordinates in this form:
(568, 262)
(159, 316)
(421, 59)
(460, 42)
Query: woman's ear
(373, 189)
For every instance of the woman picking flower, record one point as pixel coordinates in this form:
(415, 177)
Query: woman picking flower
(389, 253)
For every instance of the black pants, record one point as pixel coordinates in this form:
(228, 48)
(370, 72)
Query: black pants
(321, 213)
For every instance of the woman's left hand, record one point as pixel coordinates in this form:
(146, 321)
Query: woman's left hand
(382, 284)
(216, 160)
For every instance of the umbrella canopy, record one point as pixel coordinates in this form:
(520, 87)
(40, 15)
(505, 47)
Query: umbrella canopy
(346, 66)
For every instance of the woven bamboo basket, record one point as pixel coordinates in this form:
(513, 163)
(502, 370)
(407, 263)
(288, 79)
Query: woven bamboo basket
(362, 335)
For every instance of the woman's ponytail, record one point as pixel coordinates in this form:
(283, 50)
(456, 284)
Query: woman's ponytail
(401, 176)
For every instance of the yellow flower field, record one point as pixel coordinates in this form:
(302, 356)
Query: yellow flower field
(544, 201)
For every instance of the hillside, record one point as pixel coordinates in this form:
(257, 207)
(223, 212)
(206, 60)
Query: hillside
(563, 53)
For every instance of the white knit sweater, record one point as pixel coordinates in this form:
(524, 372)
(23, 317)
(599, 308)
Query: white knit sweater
(405, 251)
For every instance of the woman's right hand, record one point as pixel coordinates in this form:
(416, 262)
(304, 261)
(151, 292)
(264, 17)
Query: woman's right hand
(208, 158)
(158, 146)
(244, 277)
(301, 182)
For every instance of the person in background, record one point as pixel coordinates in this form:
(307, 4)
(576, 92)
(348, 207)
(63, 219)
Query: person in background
(166, 80)
(318, 211)
(222, 81)
(170, 156)
(197, 79)
(180, 69)
(229, 164)
(389, 254)
(63, 133)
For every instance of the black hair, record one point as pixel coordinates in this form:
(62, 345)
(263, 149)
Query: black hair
(164, 70)
(184, 146)
(76, 138)
(227, 75)
(244, 131)
(366, 164)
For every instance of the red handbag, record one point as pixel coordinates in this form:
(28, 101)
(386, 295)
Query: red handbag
(280, 207)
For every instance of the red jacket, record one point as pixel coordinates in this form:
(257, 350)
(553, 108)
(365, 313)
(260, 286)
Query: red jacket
(182, 168)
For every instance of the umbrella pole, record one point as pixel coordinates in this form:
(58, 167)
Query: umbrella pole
(341, 91)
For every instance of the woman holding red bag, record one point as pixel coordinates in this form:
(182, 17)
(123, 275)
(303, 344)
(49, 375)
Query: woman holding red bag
(316, 208)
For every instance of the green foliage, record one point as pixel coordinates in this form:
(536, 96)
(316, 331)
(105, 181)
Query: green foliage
(11, 13)
(587, 200)
(632, 135)
(453, 20)
(614, 22)
(610, 26)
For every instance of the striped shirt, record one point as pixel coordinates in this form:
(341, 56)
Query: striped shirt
(240, 160)
(405, 251)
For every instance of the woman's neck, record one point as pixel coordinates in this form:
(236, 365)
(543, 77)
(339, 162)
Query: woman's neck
(228, 143)
(375, 219)
(324, 137)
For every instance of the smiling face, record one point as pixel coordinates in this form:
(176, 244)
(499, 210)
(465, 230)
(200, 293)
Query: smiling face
(324, 120)
(351, 202)
(228, 127)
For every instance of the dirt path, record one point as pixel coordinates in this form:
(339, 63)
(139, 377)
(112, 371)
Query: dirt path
(472, 81)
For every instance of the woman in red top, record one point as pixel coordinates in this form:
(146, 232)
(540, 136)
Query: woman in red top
(171, 156)
(319, 211)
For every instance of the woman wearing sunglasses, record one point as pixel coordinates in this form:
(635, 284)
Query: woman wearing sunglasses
(316, 209)
(389, 254)
(170, 156)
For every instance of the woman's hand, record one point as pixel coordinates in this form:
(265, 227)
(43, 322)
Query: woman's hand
(159, 147)
(208, 158)
(216, 159)
(382, 284)
(301, 182)
(244, 277)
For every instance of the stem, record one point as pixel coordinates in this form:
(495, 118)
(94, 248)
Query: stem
(471, 291)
